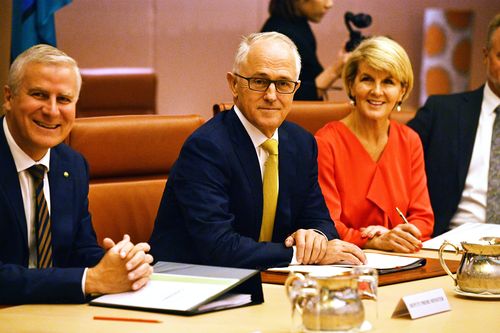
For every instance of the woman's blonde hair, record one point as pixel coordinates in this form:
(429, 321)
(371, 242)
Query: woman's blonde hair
(382, 54)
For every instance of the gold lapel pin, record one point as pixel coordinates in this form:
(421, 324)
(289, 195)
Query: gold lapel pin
(66, 174)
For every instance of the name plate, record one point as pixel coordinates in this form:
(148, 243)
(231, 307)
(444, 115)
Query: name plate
(422, 304)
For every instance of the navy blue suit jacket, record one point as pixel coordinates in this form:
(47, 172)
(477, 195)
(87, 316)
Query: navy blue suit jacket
(447, 125)
(73, 238)
(211, 210)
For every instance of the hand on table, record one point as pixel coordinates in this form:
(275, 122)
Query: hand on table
(339, 251)
(403, 238)
(372, 231)
(310, 246)
(124, 267)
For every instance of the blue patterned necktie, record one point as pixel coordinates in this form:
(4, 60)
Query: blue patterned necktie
(42, 219)
(493, 195)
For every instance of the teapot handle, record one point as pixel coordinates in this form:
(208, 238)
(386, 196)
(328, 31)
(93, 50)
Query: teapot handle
(367, 282)
(442, 261)
(291, 294)
(300, 289)
(291, 278)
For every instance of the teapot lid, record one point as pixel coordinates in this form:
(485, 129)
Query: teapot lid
(484, 246)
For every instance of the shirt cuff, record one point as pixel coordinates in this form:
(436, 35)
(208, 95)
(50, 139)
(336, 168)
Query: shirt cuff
(294, 258)
(84, 278)
(321, 233)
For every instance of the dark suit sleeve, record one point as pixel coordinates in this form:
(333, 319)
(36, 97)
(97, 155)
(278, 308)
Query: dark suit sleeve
(314, 213)
(20, 285)
(202, 187)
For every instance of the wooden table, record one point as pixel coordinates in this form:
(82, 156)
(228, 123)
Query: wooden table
(467, 315)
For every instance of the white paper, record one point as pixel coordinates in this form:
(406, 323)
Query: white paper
(386, 261)
(172, 292)
(374, 260)
(312, 269)
(467, 232)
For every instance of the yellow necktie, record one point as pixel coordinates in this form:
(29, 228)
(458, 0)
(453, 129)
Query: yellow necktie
(270, 189)
(42, 220)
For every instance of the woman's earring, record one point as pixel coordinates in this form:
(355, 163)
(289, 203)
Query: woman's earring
(352, 101)
(398, 108)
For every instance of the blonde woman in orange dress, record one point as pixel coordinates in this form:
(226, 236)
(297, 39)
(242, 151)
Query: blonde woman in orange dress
(370, 165)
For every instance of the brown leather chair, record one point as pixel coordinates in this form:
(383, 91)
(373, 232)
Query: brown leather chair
(314, 115)
(310, 115)
(117, 91)
(129, 158)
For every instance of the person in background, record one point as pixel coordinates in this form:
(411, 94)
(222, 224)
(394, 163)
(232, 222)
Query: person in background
(461, 138)
(291, 18)
(370, 165)
(244, 191)
(48, 248)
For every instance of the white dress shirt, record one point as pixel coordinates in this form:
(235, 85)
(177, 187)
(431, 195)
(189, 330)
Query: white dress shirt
(472, 206)
(258, 138)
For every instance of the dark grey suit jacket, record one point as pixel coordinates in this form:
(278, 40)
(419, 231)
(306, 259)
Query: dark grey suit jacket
(447, 125)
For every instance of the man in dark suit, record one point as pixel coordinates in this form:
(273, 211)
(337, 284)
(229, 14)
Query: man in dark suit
(457, 132)
(216, 204)
(48, 248)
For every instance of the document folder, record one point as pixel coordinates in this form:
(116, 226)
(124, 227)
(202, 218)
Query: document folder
(188, 289)
(383, 263)
(419, 262)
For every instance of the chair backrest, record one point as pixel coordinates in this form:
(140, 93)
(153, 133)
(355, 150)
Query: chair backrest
(117, 91)
(129, 159)
(310, 115)
(313, 115)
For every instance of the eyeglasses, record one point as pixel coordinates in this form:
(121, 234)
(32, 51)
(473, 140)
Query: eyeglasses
(261, 84)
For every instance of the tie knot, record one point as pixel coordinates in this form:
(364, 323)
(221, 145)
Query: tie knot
(271, 146)
(37, 171)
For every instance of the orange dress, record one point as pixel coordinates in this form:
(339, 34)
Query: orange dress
(360, 192)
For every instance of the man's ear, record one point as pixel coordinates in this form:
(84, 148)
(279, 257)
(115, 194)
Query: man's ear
(231, 81)
(7, 98)
(298, 85)
(485, 55)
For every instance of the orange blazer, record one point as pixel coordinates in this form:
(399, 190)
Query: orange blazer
(360, 192)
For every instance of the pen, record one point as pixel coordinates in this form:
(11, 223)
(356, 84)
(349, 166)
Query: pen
(137, 320)
(402, 216)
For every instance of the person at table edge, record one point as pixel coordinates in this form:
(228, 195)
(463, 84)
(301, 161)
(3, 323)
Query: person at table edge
(212, 207)
(48, 248)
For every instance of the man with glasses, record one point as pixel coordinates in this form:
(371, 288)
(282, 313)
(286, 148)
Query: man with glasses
(244, 191)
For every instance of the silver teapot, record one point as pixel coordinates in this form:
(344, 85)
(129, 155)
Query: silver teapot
(333, 302)
(479, 270)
